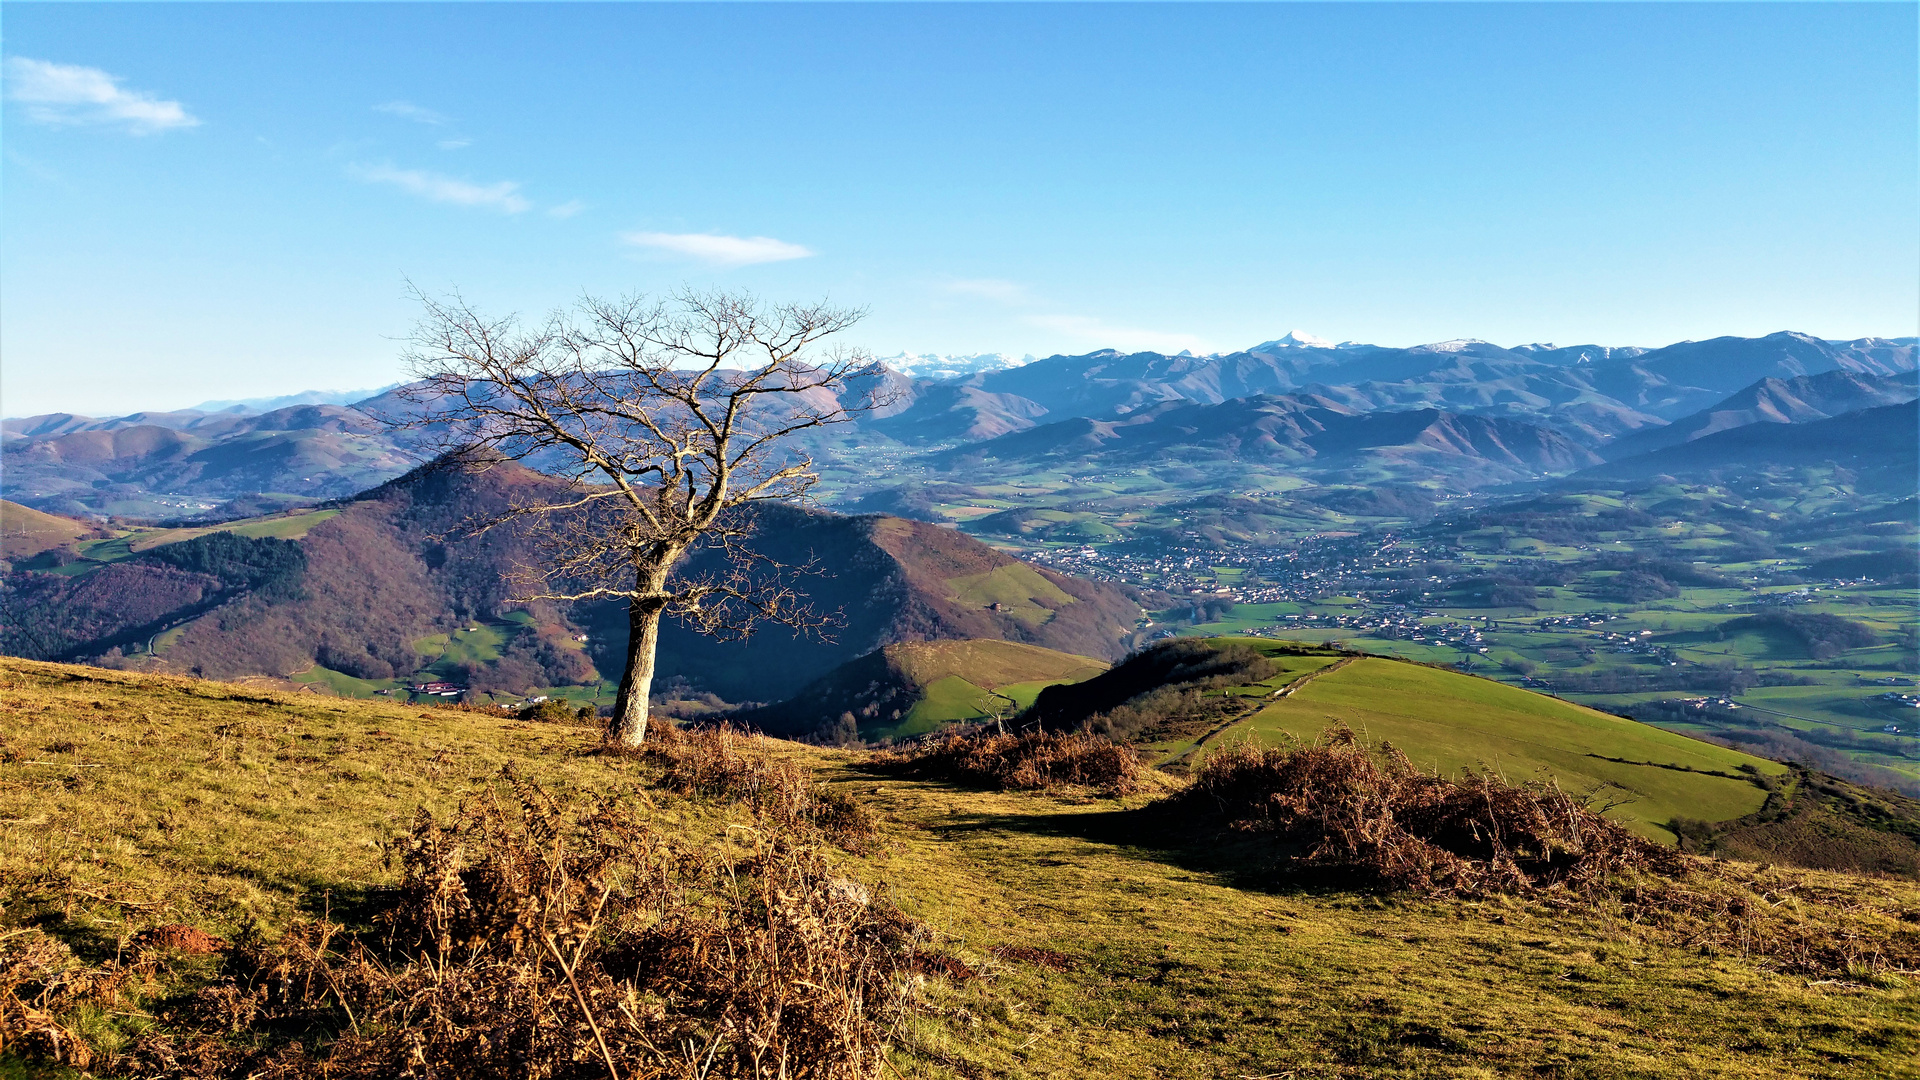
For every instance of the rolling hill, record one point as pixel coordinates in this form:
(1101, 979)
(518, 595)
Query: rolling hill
(179, 464)
(1880, 446)
(371, 591)
(1181, 700)
(1773, 401)
(1449, 721)
(26, 532)
(1305, 433)
(914, 688)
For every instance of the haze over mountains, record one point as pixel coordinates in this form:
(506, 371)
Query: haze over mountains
(1477, 412)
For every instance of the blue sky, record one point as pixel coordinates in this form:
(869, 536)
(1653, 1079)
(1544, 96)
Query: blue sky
(227, 200)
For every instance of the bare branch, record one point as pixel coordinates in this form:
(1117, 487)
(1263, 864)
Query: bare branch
(668, 420)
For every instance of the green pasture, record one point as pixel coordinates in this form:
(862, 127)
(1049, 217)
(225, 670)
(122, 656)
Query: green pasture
(477, 643)
(341, 684)
(95, 553)
(288, 526)
(1242, 618)
(1015, 587)
(1449, 721)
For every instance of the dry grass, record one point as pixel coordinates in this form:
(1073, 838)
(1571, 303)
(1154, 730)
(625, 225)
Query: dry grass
(1032, 761)
(1338, 805)
(722, 763)
(527, 940)
(1342, 805)
(1091, 937)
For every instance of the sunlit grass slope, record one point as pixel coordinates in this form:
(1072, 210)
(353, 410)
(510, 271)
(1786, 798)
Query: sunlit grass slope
(968, 680)
(135, 801)
(25, 532)
(1446, 720)
(288, 526)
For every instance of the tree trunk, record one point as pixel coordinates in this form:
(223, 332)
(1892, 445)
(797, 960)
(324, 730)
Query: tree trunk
(628, 727)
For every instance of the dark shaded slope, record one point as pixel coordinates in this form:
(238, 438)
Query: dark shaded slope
(1880, 446)
(889, 580)
(891, 692)
(1285, 429)
(1773, 401)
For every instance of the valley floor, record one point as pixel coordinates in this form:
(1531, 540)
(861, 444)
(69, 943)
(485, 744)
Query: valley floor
(130, 801)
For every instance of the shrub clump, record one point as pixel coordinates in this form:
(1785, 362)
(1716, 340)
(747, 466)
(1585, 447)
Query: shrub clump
(558, 711)
(724, 764)
(528, 941)
(1339, 805)
(1030, 761)
(1158, 688)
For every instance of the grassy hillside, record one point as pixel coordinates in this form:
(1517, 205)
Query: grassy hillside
(1446, 720)
(1442, 719)
(288, 526)
(918, 687)
(128, 802)
(26, 532)
(388, 589)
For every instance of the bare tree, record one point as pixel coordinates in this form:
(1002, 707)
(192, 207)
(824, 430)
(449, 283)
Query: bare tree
(668, 420)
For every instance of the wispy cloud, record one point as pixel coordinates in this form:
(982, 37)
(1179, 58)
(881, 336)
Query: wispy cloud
(1005, 292)
(1095, 332)
(566, 209)
(61, 94)
(454, 144)
(719, 250)
(407, 110)
(503, 196)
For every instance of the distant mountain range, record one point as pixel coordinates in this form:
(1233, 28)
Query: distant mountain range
(1301, 433)
(304, 397)
(178, 464)
(930, 366)
(1880, 447)
(1464, 410)
(1774, 401)
(1591, 392)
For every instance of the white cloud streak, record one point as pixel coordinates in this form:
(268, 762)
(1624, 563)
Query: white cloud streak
(719, 250)
(503, 196)
(407, 110)
(68, 94)
(1094, 332)
(454, 144)
(566, 209)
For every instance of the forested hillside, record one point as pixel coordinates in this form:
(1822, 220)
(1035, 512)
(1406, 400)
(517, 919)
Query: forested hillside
(391, 584)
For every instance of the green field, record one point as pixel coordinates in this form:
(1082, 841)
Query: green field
(962, 681)
(288, 526)
(1448, 721)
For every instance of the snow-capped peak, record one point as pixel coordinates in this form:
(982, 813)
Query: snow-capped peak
(1456, 345)
(1298, 339)
(931, 366)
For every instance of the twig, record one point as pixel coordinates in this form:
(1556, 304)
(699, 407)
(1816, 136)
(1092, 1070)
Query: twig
(606, 1054)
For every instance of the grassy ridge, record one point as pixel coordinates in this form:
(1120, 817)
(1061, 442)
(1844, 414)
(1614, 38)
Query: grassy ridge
(288, 526)
(208, 804)
(967, 680)
(25, 532)
(1451, 721)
